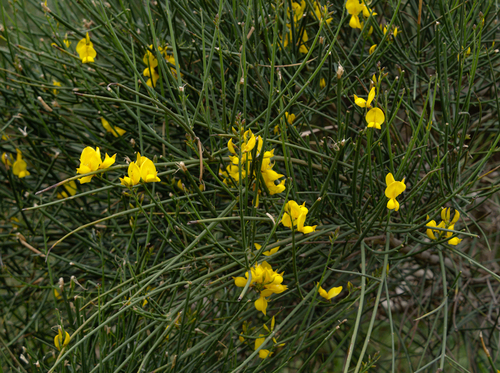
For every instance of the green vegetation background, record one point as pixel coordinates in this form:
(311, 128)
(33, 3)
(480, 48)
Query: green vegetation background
(147, 275)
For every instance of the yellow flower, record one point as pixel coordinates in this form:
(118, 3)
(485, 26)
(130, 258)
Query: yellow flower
(58, 296)
(361, 102)
(58, 339)
(372, 48)
(143, 168)
(151, 63)
(332, 293)
(171, 59)
(150, 59)
(6, 159)
(86, 50)
(265, 280)
(115, 130)
(90, 160)
(446, 214)
(66, 42)
(57, 84)
(297, 10)
(354, 7)
(70, 189)
(393, 190)
(303, 38)
(322, 83)
(430, 231)
(134, 175)
(375, 117)
(261, 304)
(140, 159)
(269, 252)
(152, 80)
(446, 223)
(295, 217)
(244, 327)
(148, 171)
(453, 241)
(290, 118)
(321, 12)
(19, 166)
(354, 22)
(262, 353)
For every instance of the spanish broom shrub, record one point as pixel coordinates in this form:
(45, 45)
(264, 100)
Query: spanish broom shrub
(249, 186)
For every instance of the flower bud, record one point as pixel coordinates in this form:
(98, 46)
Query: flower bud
(340, 71)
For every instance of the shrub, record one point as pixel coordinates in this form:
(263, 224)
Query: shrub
(245, 186)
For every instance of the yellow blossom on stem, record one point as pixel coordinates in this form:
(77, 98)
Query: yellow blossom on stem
(446, 215)
(66, 42)
(393, 190)
(171, 59)
(297, 10)
(152, 79)
(455, 240)
(354, 7)
(321, 12)
(115, 130)
(332, 293)
(56, 84)
(295, 217)
(70, 189)
(269, 252)
(290, 118)
(372, 48)
(61, 341)
(19, 166)
(244, 327)
(134, 175)
(361, 102)
(262, 353)
(86, 50)
(6, 159)
(265, 280)
(150, 59)
(375, 117)
(90, 160)
(148, 171)
(322, 83)
(446, 223)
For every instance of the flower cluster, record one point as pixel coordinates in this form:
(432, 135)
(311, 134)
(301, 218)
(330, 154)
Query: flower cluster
(86, 50)
(152, 63)
(295, 217)
(375, 116)
(265, 280)
(241, 164)
(393, 190)
(446, 223)
(90, 160)
(143, 168)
